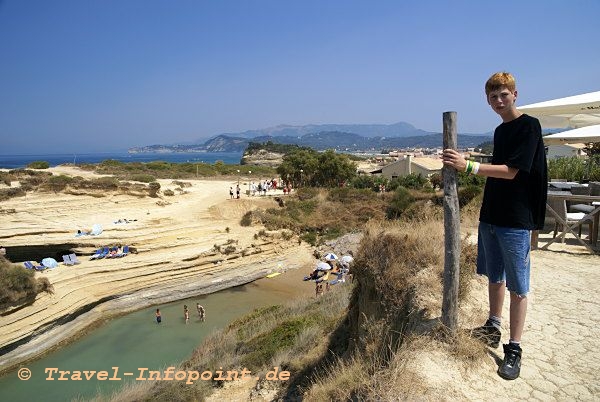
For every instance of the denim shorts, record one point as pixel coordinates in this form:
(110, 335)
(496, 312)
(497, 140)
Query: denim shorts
(503, 255)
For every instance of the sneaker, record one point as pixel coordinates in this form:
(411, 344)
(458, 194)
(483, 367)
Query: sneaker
(511, 366)
(488, 334)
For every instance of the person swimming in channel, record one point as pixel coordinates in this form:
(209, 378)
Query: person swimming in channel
(158, 317)
(186, 313)
(201, 312)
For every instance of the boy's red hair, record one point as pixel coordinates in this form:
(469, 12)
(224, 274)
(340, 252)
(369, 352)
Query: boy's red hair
(500, 80)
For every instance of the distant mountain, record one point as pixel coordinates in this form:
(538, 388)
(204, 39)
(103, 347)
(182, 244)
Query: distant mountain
(340, 141)
(401, 129)
(342, 137)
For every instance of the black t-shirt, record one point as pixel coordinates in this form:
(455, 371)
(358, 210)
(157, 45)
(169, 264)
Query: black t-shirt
(521, 202)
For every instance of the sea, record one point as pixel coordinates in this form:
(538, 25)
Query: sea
(21, 161)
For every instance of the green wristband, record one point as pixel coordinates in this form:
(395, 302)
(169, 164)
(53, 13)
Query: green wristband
(469, 167)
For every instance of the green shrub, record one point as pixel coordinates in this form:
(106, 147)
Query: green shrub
(169, 193)
(111, 163)
(153, 189)
(309, 237)
(158, 165)
(436, 181)
(229, 249)
(364, 181)
(59, 183)
(400, 201)
(349, 194)
(574, 168)
(246, 219)
(307, 207)
(18, 285)
(263, 347)
(38, 165)
(144, 178)
(7, 178)
(466, 194)
(7, 193)
(463, 179)
(414, 181)
(102, 183)
(332, 233)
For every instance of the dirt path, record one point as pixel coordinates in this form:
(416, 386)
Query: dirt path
(561, 341)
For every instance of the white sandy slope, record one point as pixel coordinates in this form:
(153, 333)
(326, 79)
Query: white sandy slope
(174, 236)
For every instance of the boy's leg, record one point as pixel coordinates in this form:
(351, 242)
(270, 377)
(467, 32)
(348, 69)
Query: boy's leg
(518, 266)
(496, 295)
(490, 263)
(518, 311)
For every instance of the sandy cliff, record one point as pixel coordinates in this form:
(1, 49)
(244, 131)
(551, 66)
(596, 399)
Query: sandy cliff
(187, 244)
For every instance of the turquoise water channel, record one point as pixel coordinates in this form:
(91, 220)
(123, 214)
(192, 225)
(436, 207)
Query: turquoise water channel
(136, 341)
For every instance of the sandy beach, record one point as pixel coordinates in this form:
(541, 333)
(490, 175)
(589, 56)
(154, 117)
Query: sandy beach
(175, 239)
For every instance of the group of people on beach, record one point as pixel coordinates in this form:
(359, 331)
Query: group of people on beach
(330, 271)
(261, 188)
(186, 313)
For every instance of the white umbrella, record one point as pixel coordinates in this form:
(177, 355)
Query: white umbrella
(347, 259)
(96, 229)
(323, 266)
(330, 257)
(573, 111)
(581, 135)
(49, 263)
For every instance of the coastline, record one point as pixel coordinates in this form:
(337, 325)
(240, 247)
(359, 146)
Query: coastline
(21, 161)
(179, 256)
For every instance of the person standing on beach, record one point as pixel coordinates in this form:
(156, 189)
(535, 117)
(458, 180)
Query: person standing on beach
(158, 317)
(237, 191)
(231, 192)
(514, 203)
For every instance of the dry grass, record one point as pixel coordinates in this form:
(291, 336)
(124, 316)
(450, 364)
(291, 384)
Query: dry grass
(341, 381)
(318, 215)
(18, 285)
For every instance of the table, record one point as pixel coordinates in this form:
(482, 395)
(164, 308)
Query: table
(563, 185)
(595, 215)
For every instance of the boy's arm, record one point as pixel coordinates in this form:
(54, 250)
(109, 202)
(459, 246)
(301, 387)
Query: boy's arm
(497, 171)
(452, 158)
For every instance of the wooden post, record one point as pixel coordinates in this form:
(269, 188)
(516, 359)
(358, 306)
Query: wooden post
(451, 231)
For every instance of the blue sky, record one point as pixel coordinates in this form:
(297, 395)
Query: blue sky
(96, 76)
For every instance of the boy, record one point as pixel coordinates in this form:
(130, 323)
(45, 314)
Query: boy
(514, 203)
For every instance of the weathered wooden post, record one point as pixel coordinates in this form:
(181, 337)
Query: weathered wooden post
(451, 231)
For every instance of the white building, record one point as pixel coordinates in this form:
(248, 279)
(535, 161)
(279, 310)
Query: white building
(566, 150)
